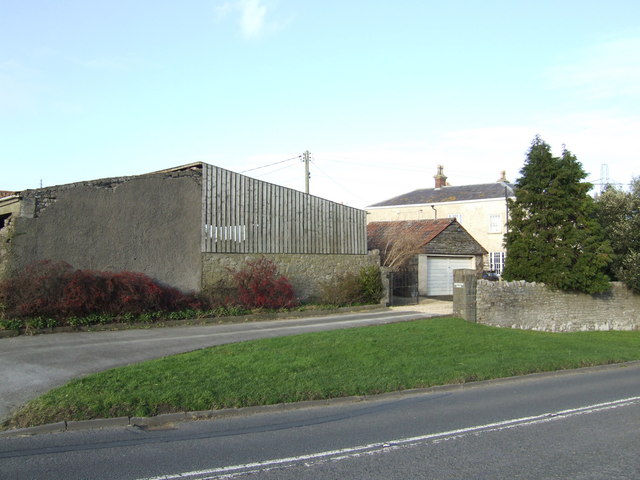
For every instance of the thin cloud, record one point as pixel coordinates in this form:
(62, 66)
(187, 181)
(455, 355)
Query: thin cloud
(254, 17)
(606, 70)
(252, 21)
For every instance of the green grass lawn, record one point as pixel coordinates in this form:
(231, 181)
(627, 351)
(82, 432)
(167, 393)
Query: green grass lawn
(359, 361)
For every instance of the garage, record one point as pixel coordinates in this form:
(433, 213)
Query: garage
(439, 272)
(423, 254)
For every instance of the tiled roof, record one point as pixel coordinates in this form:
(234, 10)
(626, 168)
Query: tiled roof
(450, 194)
(378, 233)
(455, 241)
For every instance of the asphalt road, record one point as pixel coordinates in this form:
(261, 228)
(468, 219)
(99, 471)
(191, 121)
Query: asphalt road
(581, 424)
(32, 365)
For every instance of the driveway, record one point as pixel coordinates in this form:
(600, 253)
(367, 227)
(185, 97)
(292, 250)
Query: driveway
(32, 365)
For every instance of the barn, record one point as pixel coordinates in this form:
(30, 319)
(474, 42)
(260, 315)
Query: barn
(184, 226)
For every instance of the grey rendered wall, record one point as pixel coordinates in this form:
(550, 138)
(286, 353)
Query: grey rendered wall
(306, 272)
(149, 224)
(532, 306)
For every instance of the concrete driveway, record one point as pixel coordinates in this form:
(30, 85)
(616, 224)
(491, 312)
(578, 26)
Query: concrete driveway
(32, 365)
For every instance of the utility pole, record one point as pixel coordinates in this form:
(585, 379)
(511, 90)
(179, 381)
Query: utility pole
(305, 159)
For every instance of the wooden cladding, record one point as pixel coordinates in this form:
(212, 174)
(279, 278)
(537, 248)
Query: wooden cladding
(245, 215)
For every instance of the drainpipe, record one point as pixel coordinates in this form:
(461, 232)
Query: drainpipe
(436, 212)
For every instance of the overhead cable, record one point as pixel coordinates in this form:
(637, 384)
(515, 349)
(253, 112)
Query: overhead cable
(271, 164)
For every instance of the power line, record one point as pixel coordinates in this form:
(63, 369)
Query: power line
(273, 171)
(350, 191)
(271, 164)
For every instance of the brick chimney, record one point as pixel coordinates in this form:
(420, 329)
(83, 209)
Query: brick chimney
(503, 176)
(441, 179)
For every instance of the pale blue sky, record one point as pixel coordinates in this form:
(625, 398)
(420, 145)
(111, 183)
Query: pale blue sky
(379, 92)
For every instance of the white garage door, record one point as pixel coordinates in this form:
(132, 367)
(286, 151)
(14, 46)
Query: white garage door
(440, 273)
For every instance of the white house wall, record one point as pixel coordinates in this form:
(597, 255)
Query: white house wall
(475, 217)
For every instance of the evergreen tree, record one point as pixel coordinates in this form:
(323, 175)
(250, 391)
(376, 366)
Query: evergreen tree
(553, 235)
(619, 214)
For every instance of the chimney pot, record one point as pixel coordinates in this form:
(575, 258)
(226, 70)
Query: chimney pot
(440, 178)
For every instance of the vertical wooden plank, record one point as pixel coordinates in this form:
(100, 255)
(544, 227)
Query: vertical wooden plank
(275, 202)
(307, 224)
(258, 213)
(363, 227)
(350, 232)
(233, 211)
(249, 214)
(224, 205)
(310, 214)
(210, 206)
(255, 215)
(286, 227)
(266, 220)
(218, 211)
(203, 220)
(314, 228)
(295, 223)
(225, 217)
(243, 215)
(299, 226)
(321, 225)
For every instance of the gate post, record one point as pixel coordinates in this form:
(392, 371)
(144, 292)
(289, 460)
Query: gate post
(386, 275)
(464, 294)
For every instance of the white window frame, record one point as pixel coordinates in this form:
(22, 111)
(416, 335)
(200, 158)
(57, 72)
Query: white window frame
(496, 261)
(495, 223)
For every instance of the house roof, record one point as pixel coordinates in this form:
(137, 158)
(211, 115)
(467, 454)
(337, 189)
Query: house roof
(378, 233)
(461, 193)
(6, 193)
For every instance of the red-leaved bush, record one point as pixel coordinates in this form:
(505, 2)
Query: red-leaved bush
(259, 285)
(57, 290)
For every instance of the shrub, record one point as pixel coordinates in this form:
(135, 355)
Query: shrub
(259, 285)
(350, 288)
(370, 283)
(220, 294)
(36, 290)
(56, 290)
(341, 290)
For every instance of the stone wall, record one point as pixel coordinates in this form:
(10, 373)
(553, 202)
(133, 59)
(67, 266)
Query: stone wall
(532, 306)
(305, 272)
(9, 211)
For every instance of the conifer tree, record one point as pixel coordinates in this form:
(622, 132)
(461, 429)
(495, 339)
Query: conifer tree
(553, 236)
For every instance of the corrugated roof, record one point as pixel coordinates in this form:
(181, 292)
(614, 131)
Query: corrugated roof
(450, 194)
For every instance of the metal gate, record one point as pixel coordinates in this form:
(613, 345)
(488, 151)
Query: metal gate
(403, 285)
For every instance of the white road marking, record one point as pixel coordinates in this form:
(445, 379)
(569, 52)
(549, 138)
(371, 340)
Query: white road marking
(379, 447)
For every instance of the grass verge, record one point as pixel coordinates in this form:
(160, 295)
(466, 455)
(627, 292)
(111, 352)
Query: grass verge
(360, 361)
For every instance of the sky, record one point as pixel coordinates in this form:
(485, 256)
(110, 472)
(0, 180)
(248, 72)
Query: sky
(379, 92)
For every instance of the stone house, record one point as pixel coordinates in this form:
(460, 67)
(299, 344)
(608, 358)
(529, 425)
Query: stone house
(184, 226)
(480, 208)
(434, 249)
